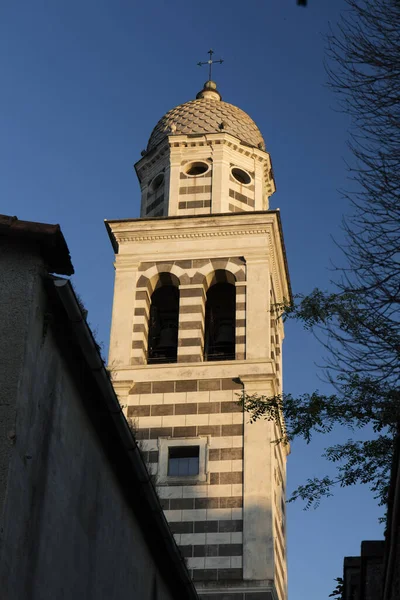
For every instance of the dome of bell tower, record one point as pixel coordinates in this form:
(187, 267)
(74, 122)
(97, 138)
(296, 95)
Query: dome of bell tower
(207, 114)
(205, 156)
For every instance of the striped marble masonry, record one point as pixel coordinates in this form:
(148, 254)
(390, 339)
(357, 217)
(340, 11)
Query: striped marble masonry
(206, 518)
(195, 192)
(193, 278)
(276, 336)
(280, 517)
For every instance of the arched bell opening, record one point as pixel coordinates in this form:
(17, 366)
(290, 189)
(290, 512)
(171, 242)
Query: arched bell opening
(164, 322)
(220, 318)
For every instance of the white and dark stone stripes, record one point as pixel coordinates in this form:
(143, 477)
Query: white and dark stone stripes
(155, 204)
(193, 277)
(241, 197)
(195, 189)
(206, 519)
(151, 433)
(227, 595)
(192, 270)
(240, 341)
(276, 336)
(280, 550)
(243, 201)
(189, 408)
(188, 204)
(214, 454)
(195, 194)
(184, 385)
(140, 326)
(199, 550)
(216, 574)
(194, 531)
(206, 539)
(191, 323)
(212, 556)
(249, 188)
(172, 504)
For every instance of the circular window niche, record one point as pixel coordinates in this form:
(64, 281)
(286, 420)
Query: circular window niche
(241, 176)
(157, 182)
(197, 168)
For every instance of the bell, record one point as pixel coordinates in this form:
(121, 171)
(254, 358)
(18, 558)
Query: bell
(226, 333)
(167, 337)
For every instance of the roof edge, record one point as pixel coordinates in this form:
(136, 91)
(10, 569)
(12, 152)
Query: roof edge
(151, 518)
(50, 239)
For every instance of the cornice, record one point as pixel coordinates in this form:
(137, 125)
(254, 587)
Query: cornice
(218, 226)
(175, 143)
(122, 387)
(123, 237)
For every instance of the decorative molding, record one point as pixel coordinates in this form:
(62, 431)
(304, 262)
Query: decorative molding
(276, 263)
(122, 388)
(122, 238)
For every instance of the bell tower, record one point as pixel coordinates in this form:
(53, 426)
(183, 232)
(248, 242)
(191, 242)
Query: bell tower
(192, 327)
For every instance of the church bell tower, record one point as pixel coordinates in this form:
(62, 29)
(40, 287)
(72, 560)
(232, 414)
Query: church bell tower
(192, 327)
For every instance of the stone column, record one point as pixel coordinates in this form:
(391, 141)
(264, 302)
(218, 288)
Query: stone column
(191, 323)
(240, 329)
(141, 326)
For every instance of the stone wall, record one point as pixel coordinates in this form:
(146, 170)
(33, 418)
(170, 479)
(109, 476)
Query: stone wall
(67, 529)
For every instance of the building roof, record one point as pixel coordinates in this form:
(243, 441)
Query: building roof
(49, 239)
(207, 114)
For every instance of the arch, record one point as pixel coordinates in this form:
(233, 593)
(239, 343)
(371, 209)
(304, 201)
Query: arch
(219, 276)
(161, 279)
(220, 316)
(234, 272)
(162, 342)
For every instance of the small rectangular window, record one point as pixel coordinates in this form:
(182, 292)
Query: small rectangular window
(183, 460)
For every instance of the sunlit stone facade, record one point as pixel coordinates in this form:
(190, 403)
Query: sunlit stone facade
(192, 327)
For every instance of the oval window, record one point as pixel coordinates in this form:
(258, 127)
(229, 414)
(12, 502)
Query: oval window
(241, 176)
(157, 182)
(196, 168)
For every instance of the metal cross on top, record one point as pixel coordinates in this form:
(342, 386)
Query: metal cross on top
(210, 63)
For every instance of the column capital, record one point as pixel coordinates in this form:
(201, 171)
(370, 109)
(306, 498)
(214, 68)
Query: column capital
(253, 382)
(122, 388)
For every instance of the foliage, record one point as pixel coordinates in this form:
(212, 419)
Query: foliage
(367, 461)
(358, 323)
(338, 591)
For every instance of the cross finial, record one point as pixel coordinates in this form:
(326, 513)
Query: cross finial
(210, 63)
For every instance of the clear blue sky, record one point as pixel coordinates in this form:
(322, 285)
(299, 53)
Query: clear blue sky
(82, 85)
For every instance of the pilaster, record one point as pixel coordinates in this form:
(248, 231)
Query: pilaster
(172, 191)
(220, 180)
(122, 313)
(258, 308)
(258, 489)
(240, 328)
